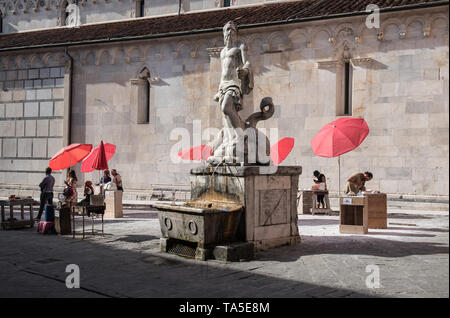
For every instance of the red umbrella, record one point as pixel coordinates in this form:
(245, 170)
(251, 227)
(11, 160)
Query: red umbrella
(69, 156)
(87, 164)
(100, 162)
(201, 152)
(280, 150)
(339, 137)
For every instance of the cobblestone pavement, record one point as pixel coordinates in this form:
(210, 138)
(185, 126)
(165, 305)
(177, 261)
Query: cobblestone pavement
(412, 257)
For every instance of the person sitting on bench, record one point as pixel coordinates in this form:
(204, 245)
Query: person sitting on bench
(88, 191)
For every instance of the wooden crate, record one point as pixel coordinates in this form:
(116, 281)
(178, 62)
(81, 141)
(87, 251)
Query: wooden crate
(354, 217)
(377, 205)
(62, 221)
(113, 202)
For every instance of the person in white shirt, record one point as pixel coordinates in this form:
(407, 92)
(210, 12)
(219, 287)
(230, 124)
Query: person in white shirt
(320, 185)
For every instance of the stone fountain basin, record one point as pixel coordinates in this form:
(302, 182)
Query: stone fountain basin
(202, 225)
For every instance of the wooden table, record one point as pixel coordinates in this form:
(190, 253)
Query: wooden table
(377, 203)
(359, 213)
(13, 223)
(83, 211)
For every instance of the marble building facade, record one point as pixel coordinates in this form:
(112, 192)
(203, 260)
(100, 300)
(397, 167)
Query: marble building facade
(85, 93)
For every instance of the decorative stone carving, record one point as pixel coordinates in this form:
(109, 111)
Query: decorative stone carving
(332, 40)
(380, 36)
(214, 51)
(362, 62)
(327, 65)
(427, 31)
(73, 17)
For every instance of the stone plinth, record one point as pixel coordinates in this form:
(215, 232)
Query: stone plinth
(113, 202)
(268, 195)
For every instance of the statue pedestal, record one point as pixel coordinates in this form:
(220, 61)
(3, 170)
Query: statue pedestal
(268, 195)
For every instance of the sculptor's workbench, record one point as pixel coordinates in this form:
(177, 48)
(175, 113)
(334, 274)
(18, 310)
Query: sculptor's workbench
(359, 213)
(13, 223)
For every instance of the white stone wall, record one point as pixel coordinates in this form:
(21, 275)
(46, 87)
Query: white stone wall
(400, 87)
(102, 11)
(31, 116)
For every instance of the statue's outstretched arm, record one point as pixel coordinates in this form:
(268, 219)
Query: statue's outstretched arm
(245, 73)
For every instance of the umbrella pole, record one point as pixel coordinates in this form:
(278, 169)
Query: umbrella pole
(339, 176)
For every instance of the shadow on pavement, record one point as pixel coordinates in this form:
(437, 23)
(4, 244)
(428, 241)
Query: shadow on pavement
(352, 245)
(106, 270)
(317, 222)
(136, 238)
(408, 216)
(388, 233)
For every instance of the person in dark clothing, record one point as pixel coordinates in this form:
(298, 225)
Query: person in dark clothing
(88, 191)
(320, 185)
(46, 191)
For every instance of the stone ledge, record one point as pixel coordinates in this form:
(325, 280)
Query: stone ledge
(244, 171)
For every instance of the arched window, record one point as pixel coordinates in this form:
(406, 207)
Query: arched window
(140, 97)
(345, 84)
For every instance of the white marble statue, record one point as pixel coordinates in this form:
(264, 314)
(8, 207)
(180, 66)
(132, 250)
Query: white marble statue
(73, 15)
(236, 80)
